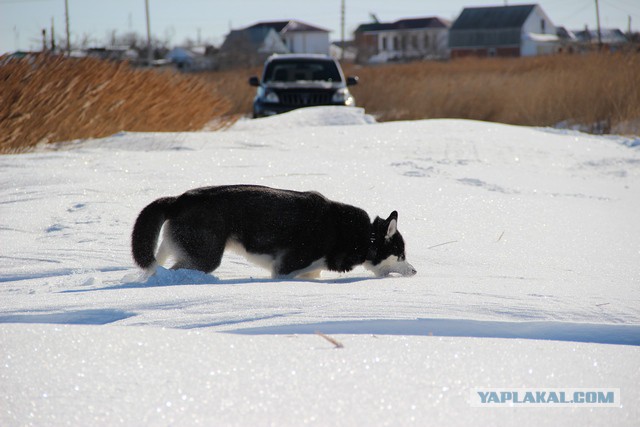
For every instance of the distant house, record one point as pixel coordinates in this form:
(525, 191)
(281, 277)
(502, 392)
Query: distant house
(611, 39)
(304, 38)
(346, 51)
(403, 40)
(251, 45)
(567, 39)
(196, 58)
(183, 58)
(522, 30)
(117, 53)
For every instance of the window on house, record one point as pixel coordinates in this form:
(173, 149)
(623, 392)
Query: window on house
(542, 26)
(395, 43)
(414, 42)
(426, 41)
(384, 43)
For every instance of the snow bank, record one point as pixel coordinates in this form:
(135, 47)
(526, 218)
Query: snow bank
(82, 375)
(306, 117)
(516, 233)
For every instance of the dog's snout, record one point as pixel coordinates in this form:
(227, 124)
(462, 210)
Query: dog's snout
(410, 271)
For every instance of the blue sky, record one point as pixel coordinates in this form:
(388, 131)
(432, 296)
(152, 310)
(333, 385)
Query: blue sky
(176, 20)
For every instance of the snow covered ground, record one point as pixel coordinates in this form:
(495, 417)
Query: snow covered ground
(526, 242)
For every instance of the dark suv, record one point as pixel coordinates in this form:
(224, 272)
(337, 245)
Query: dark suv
(296, 81)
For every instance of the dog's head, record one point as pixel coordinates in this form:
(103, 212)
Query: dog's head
(386, 253)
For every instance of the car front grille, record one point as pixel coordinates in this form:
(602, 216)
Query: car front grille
(304, 98)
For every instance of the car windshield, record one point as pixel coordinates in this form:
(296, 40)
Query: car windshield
(296, 70)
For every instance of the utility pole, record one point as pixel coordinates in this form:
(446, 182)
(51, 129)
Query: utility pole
(44, 40)
(66, 18)
(149, 51)
(598, 22)
(53, 38)
(342, 46)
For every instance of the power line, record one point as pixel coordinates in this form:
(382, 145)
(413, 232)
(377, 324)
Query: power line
(626, 9)
(585, 5)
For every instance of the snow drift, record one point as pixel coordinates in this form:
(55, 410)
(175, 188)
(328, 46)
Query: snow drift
(518, 233)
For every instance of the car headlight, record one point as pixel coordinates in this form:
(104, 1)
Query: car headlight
(271, 96)
(267, 95)
(342, 96)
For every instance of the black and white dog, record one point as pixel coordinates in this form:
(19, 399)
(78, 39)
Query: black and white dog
(294, 234)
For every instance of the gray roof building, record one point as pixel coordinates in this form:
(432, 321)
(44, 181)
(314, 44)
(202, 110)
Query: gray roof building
(282, 27)
(502, 31)
(487, 18)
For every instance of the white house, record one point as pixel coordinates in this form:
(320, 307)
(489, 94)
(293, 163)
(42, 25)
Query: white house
(343, 51)
(300, 37)
(406, 39)
(250, 46)
(539, 35)
(520, 30)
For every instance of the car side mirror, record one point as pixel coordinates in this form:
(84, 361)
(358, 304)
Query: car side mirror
(254, 81)
(352, 81)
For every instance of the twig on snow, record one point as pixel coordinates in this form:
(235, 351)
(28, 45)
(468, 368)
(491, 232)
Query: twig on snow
(333, 341)
(442, 244)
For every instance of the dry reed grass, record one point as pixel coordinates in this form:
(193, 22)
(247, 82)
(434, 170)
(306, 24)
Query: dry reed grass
(541, 91)
(48, 99)
(234, 86)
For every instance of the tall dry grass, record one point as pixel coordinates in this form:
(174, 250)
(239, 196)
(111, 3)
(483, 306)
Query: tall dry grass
(234, 86)
(52, 98)
(543, 91)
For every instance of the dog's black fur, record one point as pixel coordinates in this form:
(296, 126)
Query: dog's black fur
(294, 233)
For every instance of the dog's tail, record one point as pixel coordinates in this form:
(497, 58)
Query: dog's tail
(144, 238)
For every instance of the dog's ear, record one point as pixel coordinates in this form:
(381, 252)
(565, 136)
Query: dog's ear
(392, 225)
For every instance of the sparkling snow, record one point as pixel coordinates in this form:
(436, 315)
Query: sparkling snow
(526, 242)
